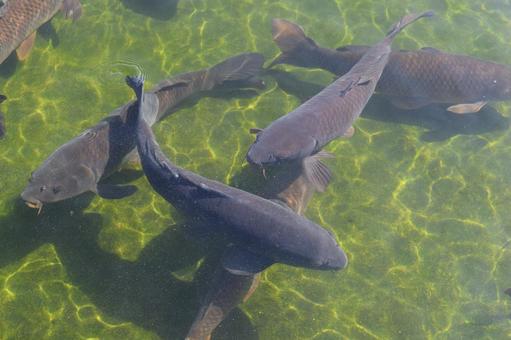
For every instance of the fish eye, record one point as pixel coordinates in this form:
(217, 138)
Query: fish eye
(57, 189)
(41, 189)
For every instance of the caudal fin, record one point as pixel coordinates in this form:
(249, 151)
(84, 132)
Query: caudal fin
(137, 85)
(405, 21)
(291, 39)
(240, 68)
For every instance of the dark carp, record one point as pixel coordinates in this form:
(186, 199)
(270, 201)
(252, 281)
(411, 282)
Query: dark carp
(19, 20)
(79, 165)
(300, 135)
(287, 185)
(260, 232)
(411, 79)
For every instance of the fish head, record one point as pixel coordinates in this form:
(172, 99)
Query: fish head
(45, 186)
(333, 256)
(273, 148)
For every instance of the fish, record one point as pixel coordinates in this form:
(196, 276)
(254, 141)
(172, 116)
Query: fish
(19, 20)
(289, 186)
(411, 79)
(81, 164)
(300, 135)
(259, 232)
(2, 121)
(226, 291)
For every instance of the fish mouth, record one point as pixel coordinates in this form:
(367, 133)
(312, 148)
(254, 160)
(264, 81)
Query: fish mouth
(35, 204)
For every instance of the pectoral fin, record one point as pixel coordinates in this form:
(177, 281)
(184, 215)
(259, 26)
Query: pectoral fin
(26, 46)
(467, 108)
(239, 261)
(255, 131)
(71, 9)
(316, 172)
(349, 133)
(111, 191)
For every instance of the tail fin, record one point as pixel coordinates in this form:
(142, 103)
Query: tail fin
(405, 21)
(288, 35)
(290, 38)
(242, 67)
(137, 84)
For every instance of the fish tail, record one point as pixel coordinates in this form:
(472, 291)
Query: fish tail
(137, 85)
(242, 67)
(405, 21)
(290, 38)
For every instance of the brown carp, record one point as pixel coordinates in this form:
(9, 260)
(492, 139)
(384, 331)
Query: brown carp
(79, 165)
(300, 135)
(19, 20)
(411, 79)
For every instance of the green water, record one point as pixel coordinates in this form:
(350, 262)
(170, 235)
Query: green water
(420, 203)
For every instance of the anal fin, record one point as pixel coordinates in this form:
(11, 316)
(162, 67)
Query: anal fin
(467, 108)
(26, 46)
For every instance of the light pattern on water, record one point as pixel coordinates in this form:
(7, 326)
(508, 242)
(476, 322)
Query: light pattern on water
(419, 202)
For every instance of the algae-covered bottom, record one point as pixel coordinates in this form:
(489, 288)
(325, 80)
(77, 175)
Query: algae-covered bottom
(420, 201)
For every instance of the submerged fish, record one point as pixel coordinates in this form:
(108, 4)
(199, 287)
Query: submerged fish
(261, 232)
(301, 134)
(2, 122)
(226, 291)
(80, 164)
(411, 79)
(19, 20)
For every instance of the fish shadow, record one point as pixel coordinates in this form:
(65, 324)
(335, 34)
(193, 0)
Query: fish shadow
(144, 292)
(440, 123)
(8, 67)
(47, 32)
(157, 9)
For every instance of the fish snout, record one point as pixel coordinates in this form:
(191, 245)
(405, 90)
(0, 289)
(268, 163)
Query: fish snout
(32, 202)
(338, 261)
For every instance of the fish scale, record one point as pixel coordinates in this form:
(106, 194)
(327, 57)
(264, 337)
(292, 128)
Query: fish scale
(18, 19)
(426, 75)
(81, 163)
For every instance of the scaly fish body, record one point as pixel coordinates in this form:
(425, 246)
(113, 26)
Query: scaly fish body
(78, 165)
(330, 114)
(20, 18)
(411, 79)
(226, 291)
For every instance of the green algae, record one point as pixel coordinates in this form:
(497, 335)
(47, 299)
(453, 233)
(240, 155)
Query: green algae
(419, 203)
